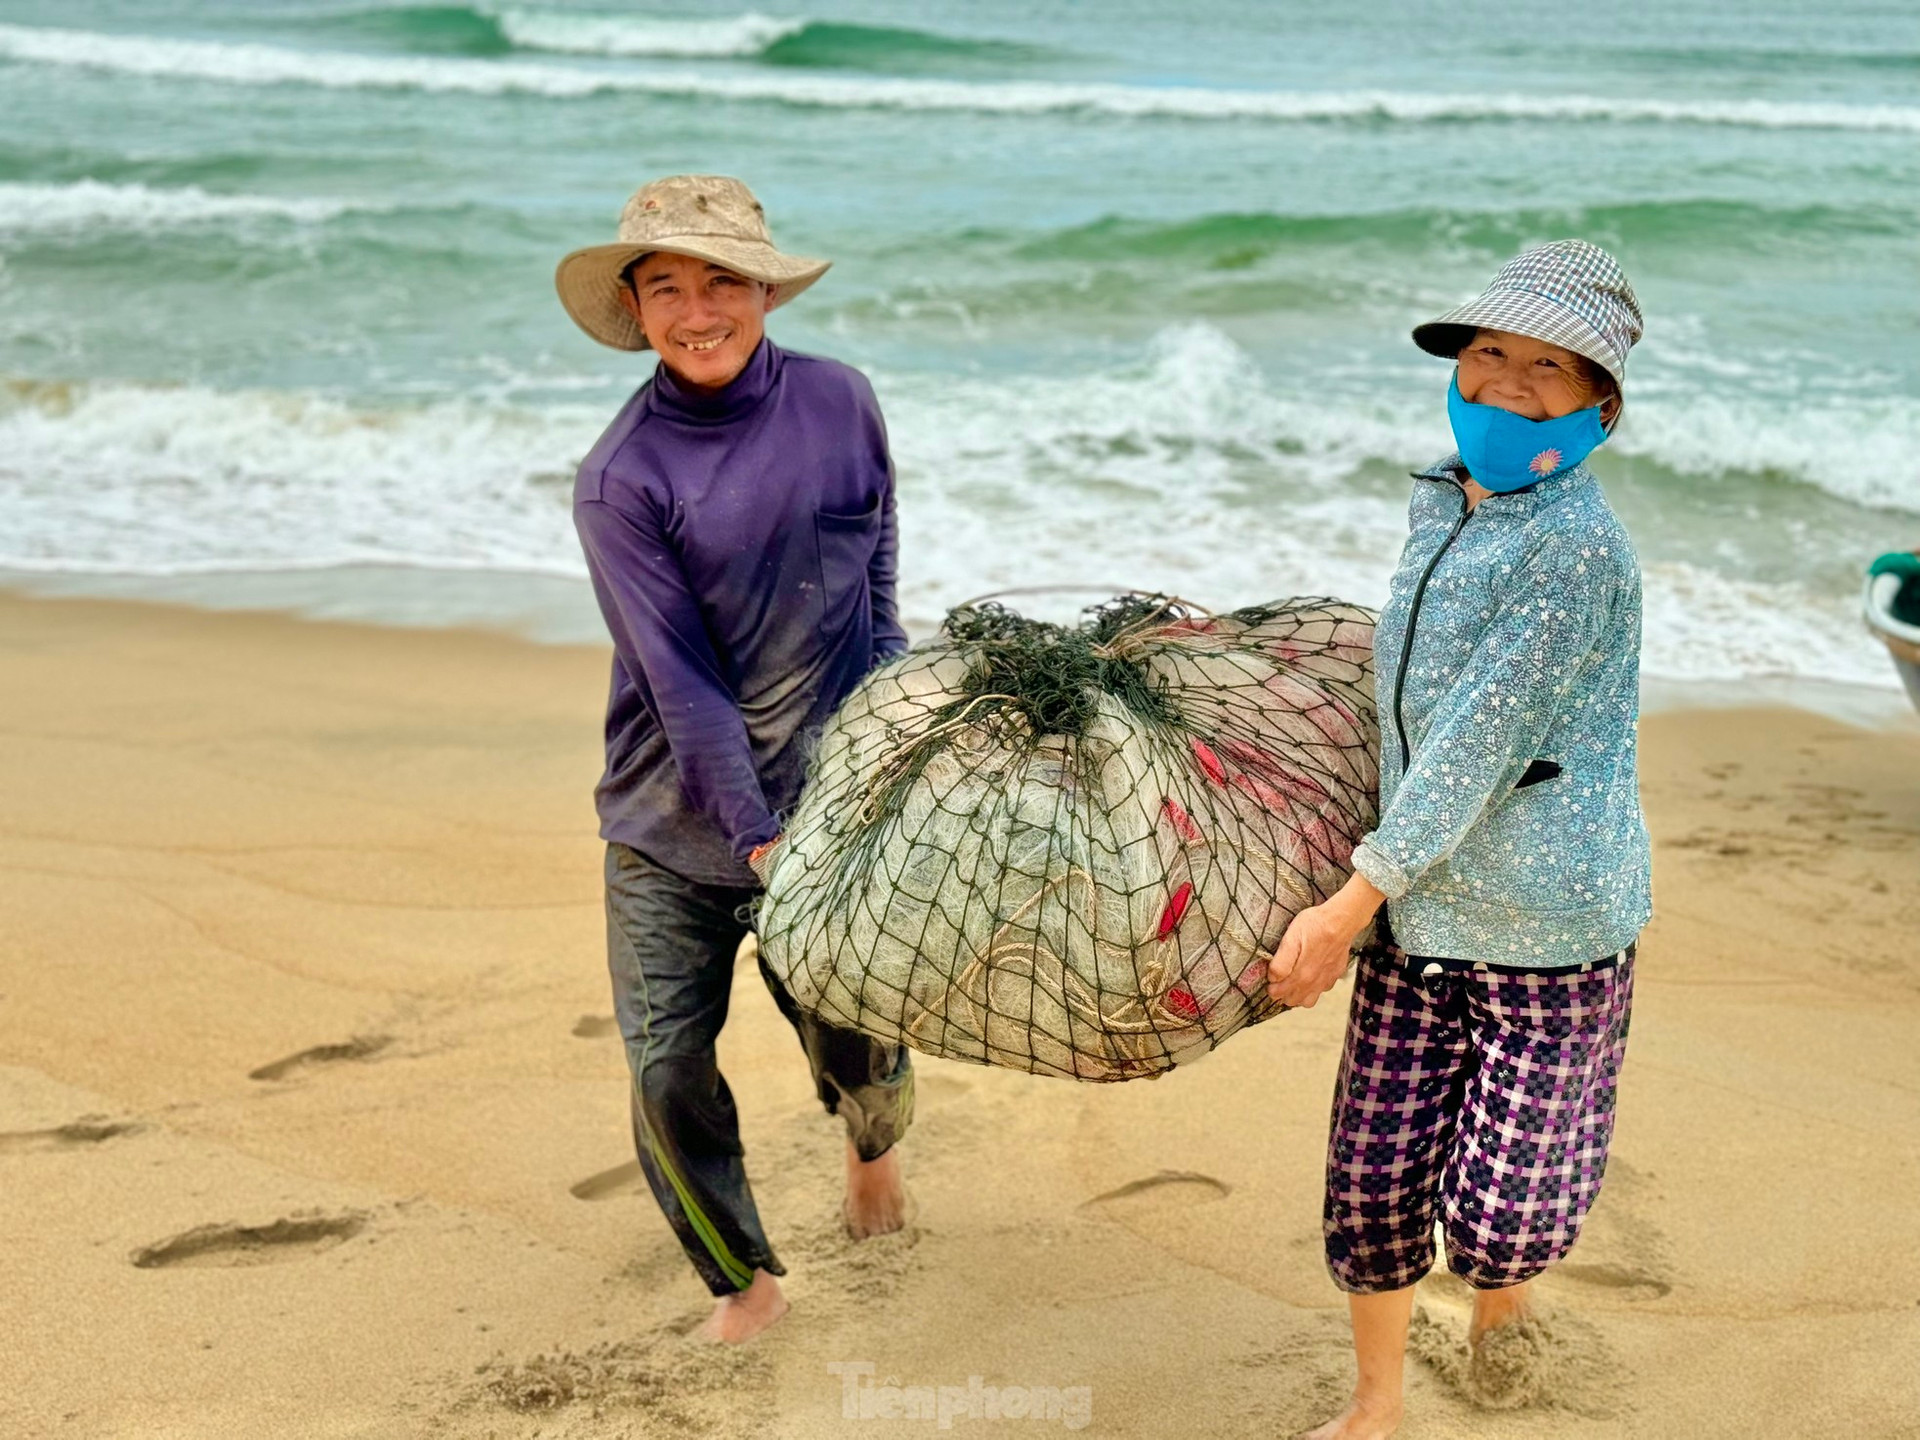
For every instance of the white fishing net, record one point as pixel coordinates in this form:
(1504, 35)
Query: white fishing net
(1069, 850)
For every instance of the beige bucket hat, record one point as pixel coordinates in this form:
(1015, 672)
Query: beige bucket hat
(710, 217)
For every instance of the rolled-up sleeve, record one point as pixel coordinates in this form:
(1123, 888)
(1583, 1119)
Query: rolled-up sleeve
(660, 639)
(1486, 729)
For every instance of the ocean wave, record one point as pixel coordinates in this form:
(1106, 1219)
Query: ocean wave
(1858, 449)
(1232, 241)
(1200, 411)
(798, 43)
(423, 29)
(1183, 471)
(1702, 625)
(1751, 421)
(92, 204)
(766, 39)
(830, 45)
(169, 479)
(576, 32)
(255, 64)
(1693, 60)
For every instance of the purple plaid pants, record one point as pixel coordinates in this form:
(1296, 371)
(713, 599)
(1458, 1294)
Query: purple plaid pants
(1477, 1097)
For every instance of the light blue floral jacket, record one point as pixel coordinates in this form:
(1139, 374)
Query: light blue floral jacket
(1515, 836)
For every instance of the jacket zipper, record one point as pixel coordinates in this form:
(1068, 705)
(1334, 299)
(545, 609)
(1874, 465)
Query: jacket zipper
(1406, 642)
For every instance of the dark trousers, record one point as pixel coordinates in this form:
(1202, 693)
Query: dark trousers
(670, 946)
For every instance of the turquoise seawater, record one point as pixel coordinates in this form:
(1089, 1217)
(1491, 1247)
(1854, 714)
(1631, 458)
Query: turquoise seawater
(1133, 280)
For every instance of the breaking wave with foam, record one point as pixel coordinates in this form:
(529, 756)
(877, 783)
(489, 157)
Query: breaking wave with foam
(577, 33)
(258, 64)
(751, 37)
(803, 44)
(1183, 471)
(92, 204)
(170, 480)
(1864, 450)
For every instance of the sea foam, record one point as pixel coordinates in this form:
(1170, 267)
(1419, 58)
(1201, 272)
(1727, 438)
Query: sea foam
(1183, 471)
(574, 33)
(255, 64)
(1861, 450)
(82, 204)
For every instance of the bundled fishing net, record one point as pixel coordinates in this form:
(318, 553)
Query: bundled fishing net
(1070, 850)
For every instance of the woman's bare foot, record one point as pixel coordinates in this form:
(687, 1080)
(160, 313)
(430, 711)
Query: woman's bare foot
(741, 1316)
(1361, 1420)
(1494, 1308)
(1509, 1351)
(876, 1202)
(1380, 1348)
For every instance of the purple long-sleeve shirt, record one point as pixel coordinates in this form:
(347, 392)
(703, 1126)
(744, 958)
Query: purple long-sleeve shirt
(742, 547)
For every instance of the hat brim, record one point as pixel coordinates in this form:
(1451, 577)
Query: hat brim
(1519, 312)
(589, 280)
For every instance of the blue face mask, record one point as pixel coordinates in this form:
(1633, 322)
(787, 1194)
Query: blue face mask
(1507, 452)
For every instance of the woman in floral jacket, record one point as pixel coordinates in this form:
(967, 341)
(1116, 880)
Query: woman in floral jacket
(1485, 1039)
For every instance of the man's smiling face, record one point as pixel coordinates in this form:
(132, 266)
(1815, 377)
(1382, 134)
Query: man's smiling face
(703, 319)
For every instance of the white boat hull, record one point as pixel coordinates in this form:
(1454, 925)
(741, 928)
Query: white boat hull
(1901, 639)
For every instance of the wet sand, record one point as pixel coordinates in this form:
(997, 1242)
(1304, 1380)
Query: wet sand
(312, 1114)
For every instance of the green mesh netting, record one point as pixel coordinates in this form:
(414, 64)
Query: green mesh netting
(1070, 849)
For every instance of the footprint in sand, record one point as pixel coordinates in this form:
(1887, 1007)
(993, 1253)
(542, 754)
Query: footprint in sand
(1636, 1284)
(229, 1245)
(592, 1027)
(1178, 1187)
(608, 1183)
(658, 1384)
(1624, 1252)
(361, 1047)
(78, 1134)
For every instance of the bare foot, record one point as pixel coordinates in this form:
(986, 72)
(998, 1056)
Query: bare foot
(1361, 1420)
(1494, 1308)
(740, 1317)
(876, 1202)
(1508, 1364)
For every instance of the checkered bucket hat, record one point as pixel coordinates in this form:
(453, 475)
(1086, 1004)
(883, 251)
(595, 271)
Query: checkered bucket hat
(1569, 293)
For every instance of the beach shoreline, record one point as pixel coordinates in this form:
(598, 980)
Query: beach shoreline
(312, 1113)
(554, 609)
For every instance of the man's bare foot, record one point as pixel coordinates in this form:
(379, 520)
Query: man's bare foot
(740, 1317)
(876, 1202)
(1361, 1420)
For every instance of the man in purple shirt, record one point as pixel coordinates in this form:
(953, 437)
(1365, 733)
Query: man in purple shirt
(738, 524)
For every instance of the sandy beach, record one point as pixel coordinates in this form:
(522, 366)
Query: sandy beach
(313, 1116)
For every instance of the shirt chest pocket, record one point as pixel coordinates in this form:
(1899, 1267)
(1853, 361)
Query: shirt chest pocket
(846, 543)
